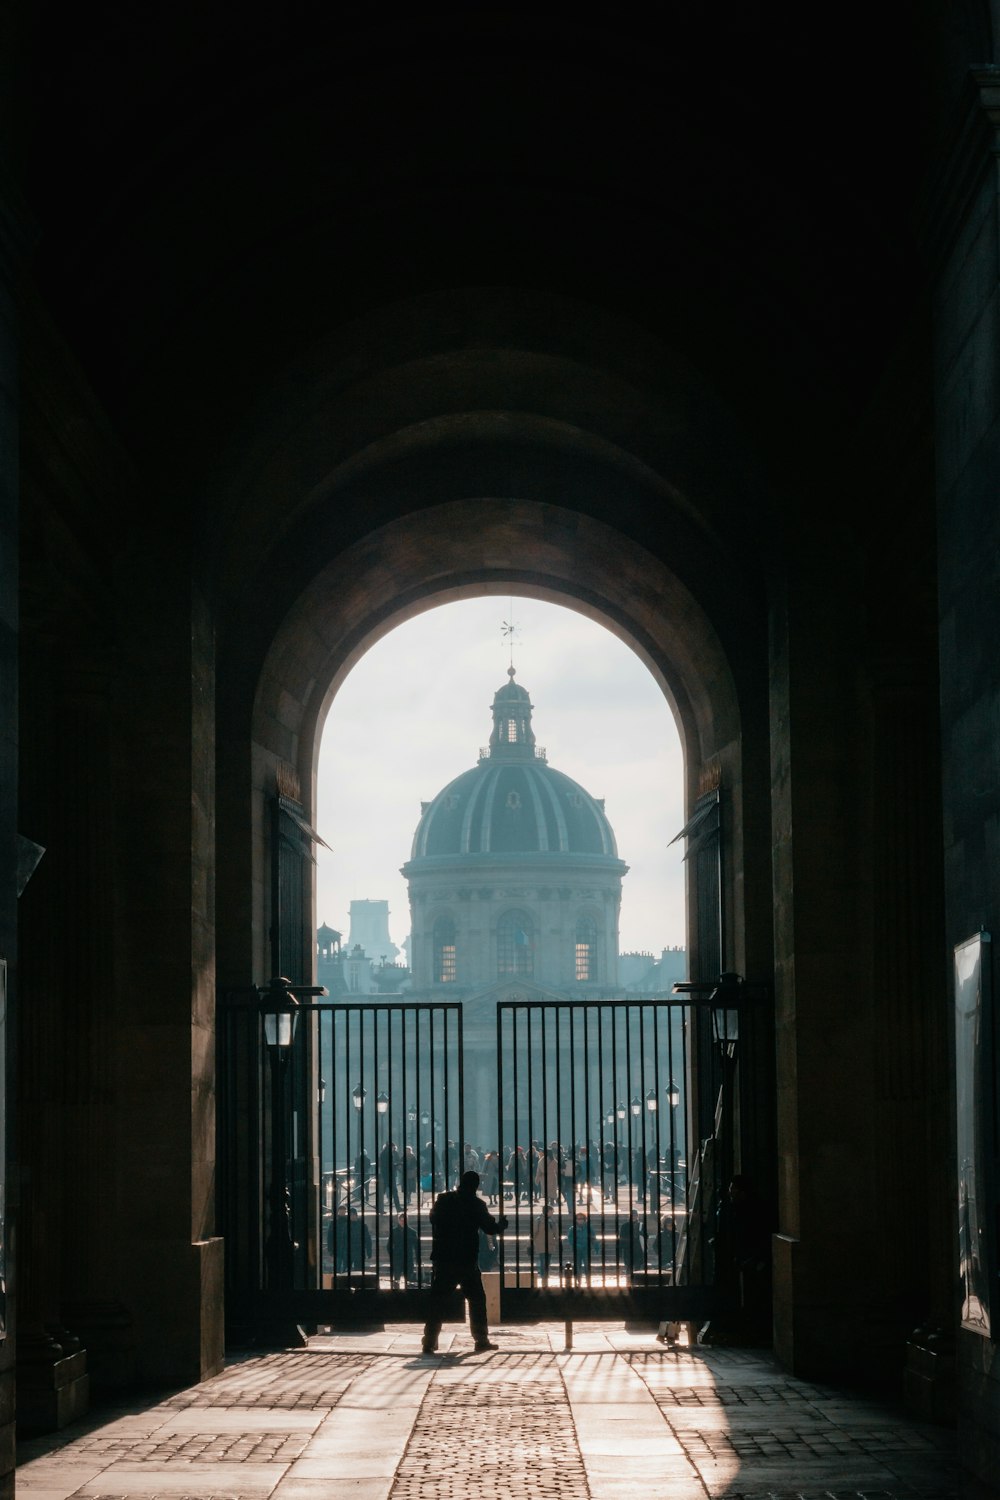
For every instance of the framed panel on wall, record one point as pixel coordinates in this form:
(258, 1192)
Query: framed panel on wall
(3, 1148)
(976, 1133)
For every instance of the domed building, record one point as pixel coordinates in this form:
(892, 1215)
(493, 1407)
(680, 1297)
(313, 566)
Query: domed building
(515, 890)
(514, 877)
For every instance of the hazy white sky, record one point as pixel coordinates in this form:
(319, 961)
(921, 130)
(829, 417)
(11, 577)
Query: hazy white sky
(416, 709)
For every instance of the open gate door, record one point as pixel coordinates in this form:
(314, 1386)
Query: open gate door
(593, 1125)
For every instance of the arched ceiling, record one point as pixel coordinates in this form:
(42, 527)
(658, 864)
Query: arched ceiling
(215, 192)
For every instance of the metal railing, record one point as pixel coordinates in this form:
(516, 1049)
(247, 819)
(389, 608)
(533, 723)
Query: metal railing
(613, 1142)
(594, 1119)
(331, 1150)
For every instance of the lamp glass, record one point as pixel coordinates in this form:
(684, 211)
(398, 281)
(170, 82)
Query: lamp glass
(636, 1106)
(382, 1104)
(279, 1028)
(359, 1096)
(620, 1111)
(651, 1101)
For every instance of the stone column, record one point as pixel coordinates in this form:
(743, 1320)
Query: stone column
(911, 1247)
(65, 1033)
(168, 1259)
(11, 247)
(823, 1287)
(963, 249)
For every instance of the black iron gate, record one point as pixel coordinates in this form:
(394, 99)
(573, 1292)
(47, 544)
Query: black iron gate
(612, 1197)
(335, 1135)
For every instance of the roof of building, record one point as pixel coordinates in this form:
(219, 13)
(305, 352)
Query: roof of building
(513, 802)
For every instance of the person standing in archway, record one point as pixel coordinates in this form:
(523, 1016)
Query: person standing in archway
(456, 1221)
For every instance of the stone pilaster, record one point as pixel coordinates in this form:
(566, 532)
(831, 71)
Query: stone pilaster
(963, 249)
(822, 1272)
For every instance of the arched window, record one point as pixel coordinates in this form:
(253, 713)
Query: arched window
(515, 944)
(445, 952)
(586, 949)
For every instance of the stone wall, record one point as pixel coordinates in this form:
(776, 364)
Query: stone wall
(965, 252)
(10, 247)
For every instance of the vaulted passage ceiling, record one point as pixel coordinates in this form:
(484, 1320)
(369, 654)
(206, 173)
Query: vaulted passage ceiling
(213, 194)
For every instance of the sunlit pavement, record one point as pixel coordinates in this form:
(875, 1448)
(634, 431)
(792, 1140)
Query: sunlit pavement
(367, 1415)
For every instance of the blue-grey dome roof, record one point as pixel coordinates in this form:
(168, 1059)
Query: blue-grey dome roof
(523, 807)
(513, 802)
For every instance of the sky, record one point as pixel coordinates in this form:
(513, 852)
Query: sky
(416, 709)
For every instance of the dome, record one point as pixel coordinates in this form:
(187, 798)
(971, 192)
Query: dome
(513, 802)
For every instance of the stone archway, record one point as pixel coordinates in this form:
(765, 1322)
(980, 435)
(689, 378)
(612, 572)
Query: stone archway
(477, 547)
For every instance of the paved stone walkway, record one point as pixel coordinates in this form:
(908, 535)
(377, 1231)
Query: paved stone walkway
(367, 1416)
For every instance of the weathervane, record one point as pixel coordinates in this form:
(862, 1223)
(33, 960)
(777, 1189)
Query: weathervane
(511, 632)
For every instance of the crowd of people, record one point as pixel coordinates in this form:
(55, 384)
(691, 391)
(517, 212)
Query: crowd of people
(595, 1208)
(534, 1174)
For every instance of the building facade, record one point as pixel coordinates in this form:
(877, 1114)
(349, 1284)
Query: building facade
(514, 875)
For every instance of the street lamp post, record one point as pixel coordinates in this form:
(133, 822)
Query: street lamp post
(635, 1106)
(358, 1096)
(673, 1100)
(653, 1173)
(279, 1014)
(383, 1163)
(279, 1034)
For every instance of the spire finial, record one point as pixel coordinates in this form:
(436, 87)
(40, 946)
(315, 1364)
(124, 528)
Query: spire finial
(509, 631)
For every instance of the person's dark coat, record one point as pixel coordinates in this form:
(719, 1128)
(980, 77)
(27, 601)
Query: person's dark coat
(402, 1248)
(456, 1220)
(360, 1242)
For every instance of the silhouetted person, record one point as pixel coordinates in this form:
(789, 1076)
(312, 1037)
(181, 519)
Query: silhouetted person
(408, 1174)
(388, 1176)
(491, 1178)
(339, 1239)
(359, 1242)
(743, 1258)
(544, 1243)
(402, 1247)
(362, 1172)
(456, 1221)
(632, 1243)
(430, 1167)
(579, 1246)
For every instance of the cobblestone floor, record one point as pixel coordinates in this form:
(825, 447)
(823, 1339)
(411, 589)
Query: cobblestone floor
(368, 1416)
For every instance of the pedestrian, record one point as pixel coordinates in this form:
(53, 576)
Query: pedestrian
(430, 1168)
(456, 1220)
(566, 1174)
(408, 1174)
(631, 1244)
(471, 1162)
(579, 1246)
(402, 1249)
(583, 1164)
(666, 1246)
(362, 1172)
(491, 1178)
(359, 1243)
(339, 1240)
(547, 1177)
(544, 1243)
(608, 1164)
(520, 1173)
(638, 1183)
(388, 1177)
